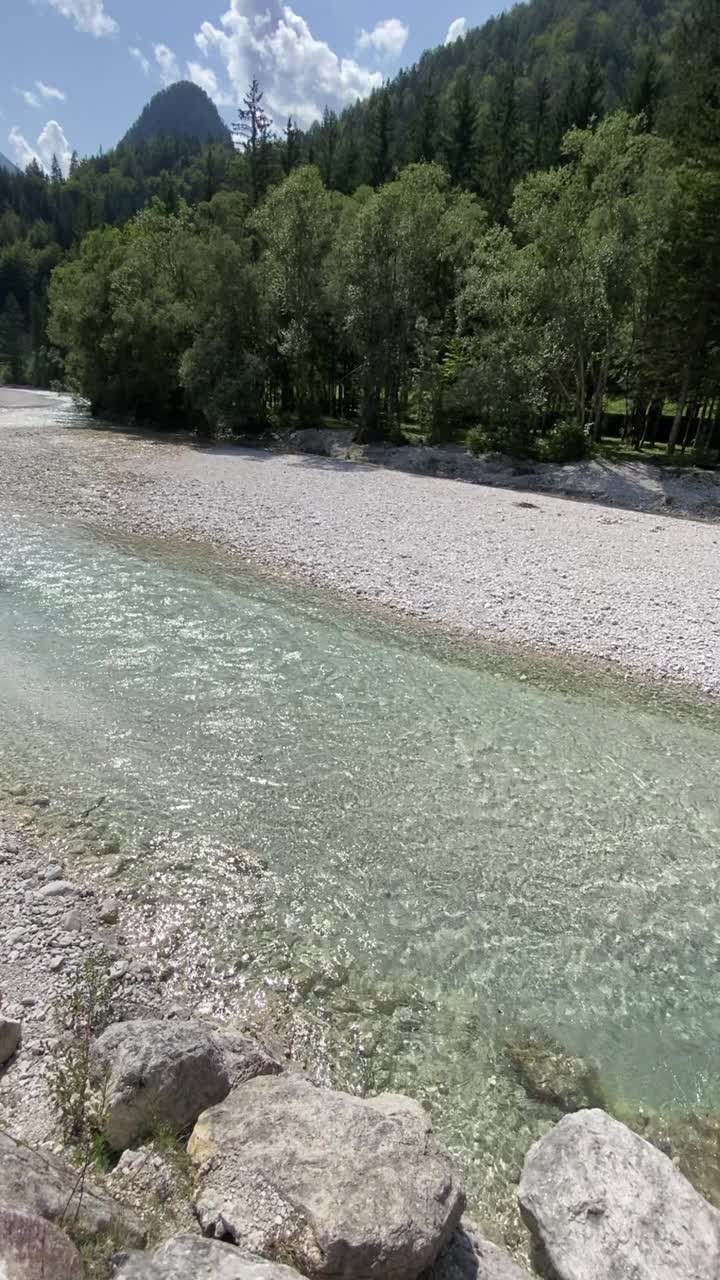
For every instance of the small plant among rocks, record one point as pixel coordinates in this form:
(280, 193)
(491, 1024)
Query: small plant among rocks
(80, 1015)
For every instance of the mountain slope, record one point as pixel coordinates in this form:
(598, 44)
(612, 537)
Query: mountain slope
(7, 165)
(183, 110)
(529, 74)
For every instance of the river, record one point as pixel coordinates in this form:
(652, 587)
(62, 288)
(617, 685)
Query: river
(415, 847)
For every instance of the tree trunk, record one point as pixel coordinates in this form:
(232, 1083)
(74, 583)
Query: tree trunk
(677, 420)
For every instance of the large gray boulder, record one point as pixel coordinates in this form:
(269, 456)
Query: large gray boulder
(467, 1256)
(156, 1074)
(605, 1205)
(42, 1184)
(31, 1249)
(338, 1185)
(184, 1257)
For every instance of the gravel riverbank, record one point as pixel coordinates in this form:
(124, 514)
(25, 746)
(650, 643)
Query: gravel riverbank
(636, 588)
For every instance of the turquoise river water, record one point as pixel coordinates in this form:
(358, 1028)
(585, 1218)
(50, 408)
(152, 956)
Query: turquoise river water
(417, 848)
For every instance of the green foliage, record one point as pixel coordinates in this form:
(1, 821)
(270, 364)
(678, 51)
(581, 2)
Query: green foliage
(513, 439)
(566, 442)
(80, 1015)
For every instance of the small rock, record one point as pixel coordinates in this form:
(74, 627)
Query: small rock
(10, 1033)
(56, 889)
(469, 1257)
(16, 935)
(56, 964)
(110, 911)
(53, 872)
(550, 1073)
(185, 1257)
(118, 970)
(72, 921)
(40, 802)
(18, 789)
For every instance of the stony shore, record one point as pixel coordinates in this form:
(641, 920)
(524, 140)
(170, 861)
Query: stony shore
(212, 1157)
(633, 587)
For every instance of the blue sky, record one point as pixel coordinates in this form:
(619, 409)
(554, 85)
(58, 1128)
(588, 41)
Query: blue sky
(76, 73)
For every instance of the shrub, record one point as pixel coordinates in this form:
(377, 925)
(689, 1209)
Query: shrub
(512, 438)
(566, 442)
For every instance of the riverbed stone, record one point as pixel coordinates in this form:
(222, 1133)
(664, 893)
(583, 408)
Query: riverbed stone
(110, 911)
(467, 1256)
(10, 1033)
(603, 1204)
(550, 1073)
(56, 889)
(339, 1185)
(186, 1257)
(156, 1073)
(245, 1058)
(36, 1182)
(32, 1248)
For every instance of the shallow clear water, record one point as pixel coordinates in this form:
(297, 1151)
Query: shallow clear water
(440, 850)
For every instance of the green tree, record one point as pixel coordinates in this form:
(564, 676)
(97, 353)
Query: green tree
(296, 226)
(254, 131)
(461, 145)
(12, 328)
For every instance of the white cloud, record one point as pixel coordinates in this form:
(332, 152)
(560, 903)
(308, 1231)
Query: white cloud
(387, 39)
(51, 141)
(29, 98)
(88, 15)
(205, 77)
(48, 91)
(299, 73)
(139, 56)
(167, 62)
(22, 150)
(456, 30)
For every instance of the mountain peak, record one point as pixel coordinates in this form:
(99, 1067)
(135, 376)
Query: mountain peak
(183, 110)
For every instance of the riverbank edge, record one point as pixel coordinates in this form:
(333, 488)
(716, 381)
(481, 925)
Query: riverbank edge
(167, 1196)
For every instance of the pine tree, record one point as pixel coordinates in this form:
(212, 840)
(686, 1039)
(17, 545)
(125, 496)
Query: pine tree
(644, 89)
(542, 127)
(591, 94)
(291, 149)
(425, 143)
(695, 106)
(504, 147)
(379, 167)
(74, 164)
(327, 146)
(461, 143)
(253, 130)
(56, 174)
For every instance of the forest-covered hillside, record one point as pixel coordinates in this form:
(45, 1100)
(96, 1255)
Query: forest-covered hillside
(506, 236)
(182, 110)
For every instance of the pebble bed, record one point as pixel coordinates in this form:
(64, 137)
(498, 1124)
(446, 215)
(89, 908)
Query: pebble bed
(636, 588)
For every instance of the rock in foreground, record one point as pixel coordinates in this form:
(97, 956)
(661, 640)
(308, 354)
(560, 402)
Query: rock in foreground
(158, 1074)
(341, 1186)
(605, 1205)
(10, 1033)
(32, 1248)
(469, 1257)
(193, 1258)
(41, 1184)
